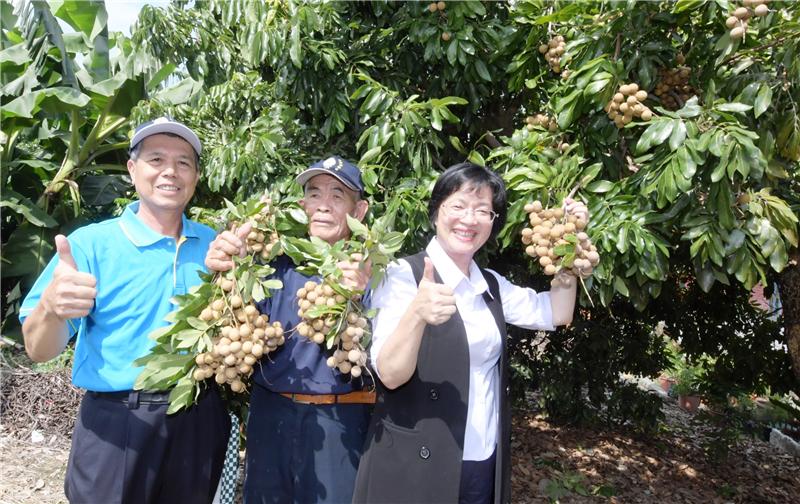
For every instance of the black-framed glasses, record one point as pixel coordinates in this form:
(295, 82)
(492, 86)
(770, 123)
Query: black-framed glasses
(458, 211)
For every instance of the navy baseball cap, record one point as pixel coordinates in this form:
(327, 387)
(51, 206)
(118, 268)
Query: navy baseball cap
(166, 125)
(347, 173)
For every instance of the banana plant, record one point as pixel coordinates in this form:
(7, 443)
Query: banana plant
(66, 100)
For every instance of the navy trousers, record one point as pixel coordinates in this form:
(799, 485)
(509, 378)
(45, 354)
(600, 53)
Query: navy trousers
(134, 453)
(302, 453)
(477, 481)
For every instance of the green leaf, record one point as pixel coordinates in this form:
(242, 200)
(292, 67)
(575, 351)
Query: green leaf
(655, 134)
(357, 227)
(258, 293)
(295, 47)
(26, 252)
(687, 5)
(734, 107)
(763, 100)
(452, 51)
(27, 209)
(678, 134)
(619, 285)
(182, 92)
(182, 395)
(87, 17)
(483, 72)
(159, 76)
(272, 284)
(370, 155)
(55, 99)
(562, 250)
(600, 186)
(16, 54)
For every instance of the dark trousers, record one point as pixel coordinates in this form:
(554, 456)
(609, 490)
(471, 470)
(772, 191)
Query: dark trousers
(302, 453)
(477, 481)
(135, 453)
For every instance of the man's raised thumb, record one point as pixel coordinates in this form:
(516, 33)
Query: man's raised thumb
(65, 252)
(428, 273)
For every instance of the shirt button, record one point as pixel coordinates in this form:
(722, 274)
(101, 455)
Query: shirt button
(424, 453)
(433, 394)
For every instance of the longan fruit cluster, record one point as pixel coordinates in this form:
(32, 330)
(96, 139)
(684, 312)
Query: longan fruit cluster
(262, 237)
(673, 87)
(436, 6)
(241, 337)
(552, 51)
(259, 242)
(627, 104)
(543, 120)
(737, 21)
(549, 228)
(349, 355)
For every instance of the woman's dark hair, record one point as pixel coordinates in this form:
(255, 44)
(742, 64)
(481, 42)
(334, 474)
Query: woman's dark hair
(470, 175)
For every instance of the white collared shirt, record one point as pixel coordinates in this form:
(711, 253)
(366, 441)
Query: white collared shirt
(522, 307)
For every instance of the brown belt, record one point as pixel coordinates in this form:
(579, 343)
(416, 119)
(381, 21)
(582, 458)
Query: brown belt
(357, 397)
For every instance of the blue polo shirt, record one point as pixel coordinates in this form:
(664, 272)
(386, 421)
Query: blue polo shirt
(138, 271)
(299, 366)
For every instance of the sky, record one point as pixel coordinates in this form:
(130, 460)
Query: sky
(122, 13)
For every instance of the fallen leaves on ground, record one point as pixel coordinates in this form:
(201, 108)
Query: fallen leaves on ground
(578, 465)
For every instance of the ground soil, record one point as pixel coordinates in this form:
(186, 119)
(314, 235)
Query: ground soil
(549, 462)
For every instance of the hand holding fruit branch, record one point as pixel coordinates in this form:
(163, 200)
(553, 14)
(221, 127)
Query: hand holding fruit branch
(557, 238)
(216, 329)
(254, 228)
(331, 311)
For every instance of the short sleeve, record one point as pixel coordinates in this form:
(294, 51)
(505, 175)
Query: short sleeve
(391, 298)
(524, 307)
(35, 294)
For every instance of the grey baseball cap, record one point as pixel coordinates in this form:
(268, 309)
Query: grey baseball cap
(166, 125)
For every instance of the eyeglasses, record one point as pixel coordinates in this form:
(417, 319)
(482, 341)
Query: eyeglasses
(458, 211)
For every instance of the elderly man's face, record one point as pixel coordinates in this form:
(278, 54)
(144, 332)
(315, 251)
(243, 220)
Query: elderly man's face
(327, 201)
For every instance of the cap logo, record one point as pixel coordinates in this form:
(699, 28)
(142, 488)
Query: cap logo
(333, 164)
(161, 120)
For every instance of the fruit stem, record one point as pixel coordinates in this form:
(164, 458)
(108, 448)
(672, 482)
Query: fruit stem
(583, 284)
(573, 191)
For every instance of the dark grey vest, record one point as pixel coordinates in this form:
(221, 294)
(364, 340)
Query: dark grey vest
(415, 440)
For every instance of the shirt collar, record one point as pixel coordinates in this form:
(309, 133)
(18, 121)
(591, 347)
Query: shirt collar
(449, 272)
(141, 235)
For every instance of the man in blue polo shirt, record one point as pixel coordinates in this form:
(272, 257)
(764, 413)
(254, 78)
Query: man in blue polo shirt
(110, 285)
(307, 422)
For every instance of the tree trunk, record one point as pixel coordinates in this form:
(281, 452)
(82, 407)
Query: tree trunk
(789, 287)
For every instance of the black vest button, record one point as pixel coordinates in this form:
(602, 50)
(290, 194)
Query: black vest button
(424, 453)
(434, 394)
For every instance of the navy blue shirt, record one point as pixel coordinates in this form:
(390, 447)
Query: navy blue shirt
(299, 366)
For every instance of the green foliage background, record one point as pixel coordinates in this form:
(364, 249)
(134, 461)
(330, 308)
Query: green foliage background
(689, 210)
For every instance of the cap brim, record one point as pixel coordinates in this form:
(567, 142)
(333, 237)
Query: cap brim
(312, 172)
(175, 128)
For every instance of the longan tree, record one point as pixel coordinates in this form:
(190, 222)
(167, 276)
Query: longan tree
(675, 121)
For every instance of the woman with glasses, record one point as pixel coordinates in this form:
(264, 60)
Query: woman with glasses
(441, 427)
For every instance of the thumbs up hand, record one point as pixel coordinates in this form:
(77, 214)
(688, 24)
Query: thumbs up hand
(435, 303)
(226, 245)
(71, 293)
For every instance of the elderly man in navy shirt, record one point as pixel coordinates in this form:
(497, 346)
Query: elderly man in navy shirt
(307, 422)
(110, 285)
